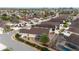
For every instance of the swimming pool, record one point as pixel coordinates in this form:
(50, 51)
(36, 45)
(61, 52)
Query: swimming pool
(64, 48)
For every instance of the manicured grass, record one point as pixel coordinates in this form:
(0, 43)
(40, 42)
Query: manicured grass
(17, 36)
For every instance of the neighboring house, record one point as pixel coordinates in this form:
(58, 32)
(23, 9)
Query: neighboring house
(53, 25)
(72, 35)
(67, 43)
(20, 26)
(59, 19)
(34, 32)
(25, 18)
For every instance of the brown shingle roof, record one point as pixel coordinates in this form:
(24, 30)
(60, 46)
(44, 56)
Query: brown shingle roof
(74, 27)
(48, 24)
(60, 19)
(35, 31)
(75, 23)
(73, 39)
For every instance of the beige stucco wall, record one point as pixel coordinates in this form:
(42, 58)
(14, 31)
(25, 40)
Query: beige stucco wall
(1, 30)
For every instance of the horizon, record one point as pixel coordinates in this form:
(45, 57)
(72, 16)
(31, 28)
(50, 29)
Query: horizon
(39, 3)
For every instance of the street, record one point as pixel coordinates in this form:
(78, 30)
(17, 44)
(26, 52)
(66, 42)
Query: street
(13, 44)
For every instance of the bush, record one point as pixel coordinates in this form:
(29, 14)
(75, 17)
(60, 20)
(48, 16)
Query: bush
(44, 38)
(6, 50)
(45, 45)
(17, 35)
(45, 49)
(5, 18)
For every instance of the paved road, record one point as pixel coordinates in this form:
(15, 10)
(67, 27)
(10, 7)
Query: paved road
(14, 45)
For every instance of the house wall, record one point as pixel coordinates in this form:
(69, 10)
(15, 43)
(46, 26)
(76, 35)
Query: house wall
(1, 30)
(30, 37)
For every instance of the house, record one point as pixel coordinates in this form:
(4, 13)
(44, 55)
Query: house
(53, 25)
(74, 40)
(33, 32)
(25, 18)
(60, 18)
(71, 41)
(67, 43)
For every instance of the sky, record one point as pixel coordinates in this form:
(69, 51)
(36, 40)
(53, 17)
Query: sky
(38, 3)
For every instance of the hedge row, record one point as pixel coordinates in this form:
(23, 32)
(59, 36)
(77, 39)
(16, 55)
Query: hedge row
(6, 50)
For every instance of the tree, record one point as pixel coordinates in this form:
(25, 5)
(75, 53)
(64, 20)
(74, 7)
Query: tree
(5, 17)
(17, 35)
(14, 18)
(44, 38)
(4, 14)
(52, 13)
(66, 24)
(7, 28)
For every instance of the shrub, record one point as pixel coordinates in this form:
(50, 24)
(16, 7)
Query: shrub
(17, 35)
(44, 38)
(45, 49)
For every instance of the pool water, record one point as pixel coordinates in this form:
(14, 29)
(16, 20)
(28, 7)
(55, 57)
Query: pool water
(64, 48)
